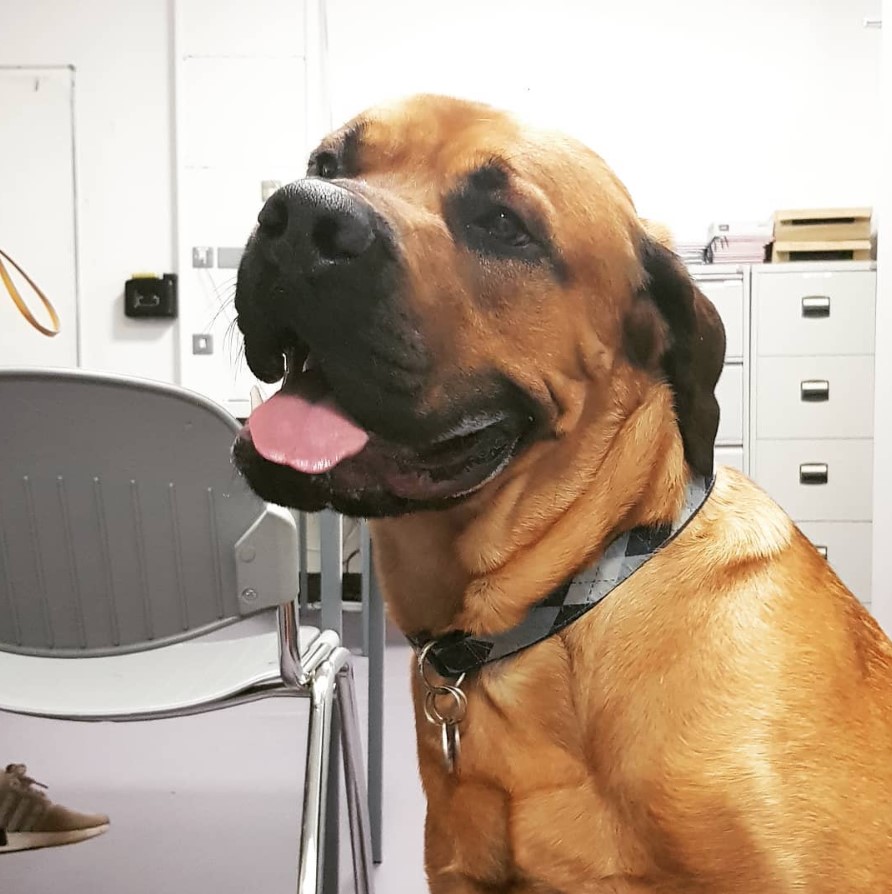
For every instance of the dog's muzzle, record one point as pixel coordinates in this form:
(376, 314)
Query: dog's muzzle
(324, 305)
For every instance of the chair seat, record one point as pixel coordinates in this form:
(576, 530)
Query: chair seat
(179, 677)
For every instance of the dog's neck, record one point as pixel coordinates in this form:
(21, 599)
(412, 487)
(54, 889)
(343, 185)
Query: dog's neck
(481, 565)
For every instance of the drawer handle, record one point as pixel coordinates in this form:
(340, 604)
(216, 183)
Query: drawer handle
(814, 473)
(822, 551)
(814, 306)
(815, 390)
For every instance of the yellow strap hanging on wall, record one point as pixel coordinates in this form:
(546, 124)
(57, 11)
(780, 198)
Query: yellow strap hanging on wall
(19, 302)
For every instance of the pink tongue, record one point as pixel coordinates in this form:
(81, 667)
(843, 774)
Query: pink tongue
(311, 436)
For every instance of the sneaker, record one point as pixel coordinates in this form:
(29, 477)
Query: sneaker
(28, 819)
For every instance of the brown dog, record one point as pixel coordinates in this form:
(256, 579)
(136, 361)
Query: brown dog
(487, 353)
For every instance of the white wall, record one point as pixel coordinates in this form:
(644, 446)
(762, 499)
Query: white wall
(705, 108)
(121, 52)
(882, 445)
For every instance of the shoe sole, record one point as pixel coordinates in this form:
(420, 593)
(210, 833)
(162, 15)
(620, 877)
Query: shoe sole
(26, 841)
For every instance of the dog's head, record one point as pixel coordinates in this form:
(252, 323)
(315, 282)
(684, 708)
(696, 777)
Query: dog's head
(443, 291)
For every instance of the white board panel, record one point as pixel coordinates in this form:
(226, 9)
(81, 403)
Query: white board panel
(37, 218)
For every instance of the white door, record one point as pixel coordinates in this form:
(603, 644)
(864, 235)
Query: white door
(242, 110)
(37, 226)
(232, 138)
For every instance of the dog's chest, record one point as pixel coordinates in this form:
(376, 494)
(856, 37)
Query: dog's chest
(524, 806)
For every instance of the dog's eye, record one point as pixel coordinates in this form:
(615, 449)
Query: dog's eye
(327, 165)
(505, 226)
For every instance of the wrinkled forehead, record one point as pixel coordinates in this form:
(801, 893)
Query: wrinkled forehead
(437, 142)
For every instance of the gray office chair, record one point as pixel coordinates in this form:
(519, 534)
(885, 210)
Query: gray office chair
(140, 578)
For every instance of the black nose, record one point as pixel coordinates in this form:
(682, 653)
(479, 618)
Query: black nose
(316, 223)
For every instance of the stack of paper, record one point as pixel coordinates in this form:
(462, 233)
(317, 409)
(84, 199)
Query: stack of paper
(691, 251)
(738, 243)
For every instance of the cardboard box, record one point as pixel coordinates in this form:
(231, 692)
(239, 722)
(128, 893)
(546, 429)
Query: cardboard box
(822, 225)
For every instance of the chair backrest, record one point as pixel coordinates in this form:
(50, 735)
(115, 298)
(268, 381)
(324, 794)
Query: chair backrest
(123, 523)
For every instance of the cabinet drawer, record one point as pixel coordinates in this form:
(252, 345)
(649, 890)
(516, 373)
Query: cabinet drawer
(828, 480)
(729, 456)
(814, 313)
(814, 397)
(849, 551)
(727, 296)
(729, 392)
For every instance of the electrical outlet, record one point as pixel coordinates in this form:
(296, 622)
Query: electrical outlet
(147, 296)
(202, 343)
(202, 256)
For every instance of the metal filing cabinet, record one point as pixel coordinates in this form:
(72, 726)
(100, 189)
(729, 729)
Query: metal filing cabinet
(727, 287)
(811, 404)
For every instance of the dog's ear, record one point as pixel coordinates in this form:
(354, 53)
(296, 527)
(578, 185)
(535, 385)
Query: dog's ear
(675, 329)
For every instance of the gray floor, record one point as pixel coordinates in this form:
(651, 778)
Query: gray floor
(207, 804)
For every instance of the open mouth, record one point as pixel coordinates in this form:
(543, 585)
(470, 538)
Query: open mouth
(303, 428)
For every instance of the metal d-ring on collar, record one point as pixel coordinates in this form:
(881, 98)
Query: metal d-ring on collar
(447, 716)
(457, 654)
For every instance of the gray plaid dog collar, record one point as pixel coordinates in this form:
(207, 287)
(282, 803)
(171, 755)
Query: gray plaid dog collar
(459, 653)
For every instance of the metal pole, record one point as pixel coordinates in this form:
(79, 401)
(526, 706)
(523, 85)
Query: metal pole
(331, 549)
(377, 633)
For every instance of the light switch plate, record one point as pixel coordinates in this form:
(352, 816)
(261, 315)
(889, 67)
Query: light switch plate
(202, 256)
(202, 343)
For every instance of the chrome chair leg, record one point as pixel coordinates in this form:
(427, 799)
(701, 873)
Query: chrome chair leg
(357, 803)
(331, 840)
(312, 834)
(377, 634)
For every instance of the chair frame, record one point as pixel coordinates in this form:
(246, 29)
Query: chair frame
(324, 675)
